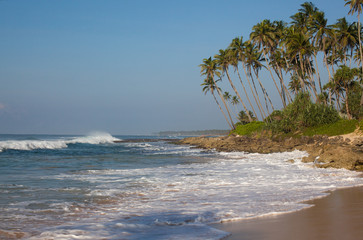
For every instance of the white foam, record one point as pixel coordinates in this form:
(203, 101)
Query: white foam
(93, 138)
(178, 200)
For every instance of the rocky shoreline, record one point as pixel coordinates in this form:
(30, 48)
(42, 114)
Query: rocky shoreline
(324, 151)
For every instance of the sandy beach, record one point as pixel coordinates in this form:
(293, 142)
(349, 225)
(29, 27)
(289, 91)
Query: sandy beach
(337, 216)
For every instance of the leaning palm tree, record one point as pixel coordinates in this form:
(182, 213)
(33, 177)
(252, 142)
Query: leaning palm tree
(319, 30)
(264, 36)
(356, 7)
(252, 59)
(224, 59)
(347, 37)
(299, 50)
(210, 68)
(237, 48)
(209, 86)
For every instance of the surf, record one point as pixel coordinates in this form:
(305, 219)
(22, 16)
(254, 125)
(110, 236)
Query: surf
(63, 142)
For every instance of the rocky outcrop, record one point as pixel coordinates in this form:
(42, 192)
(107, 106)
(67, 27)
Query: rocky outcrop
(323, 151)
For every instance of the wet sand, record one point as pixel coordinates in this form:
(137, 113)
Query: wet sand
(335, 217)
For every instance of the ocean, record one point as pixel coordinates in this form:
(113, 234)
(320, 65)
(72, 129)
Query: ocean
(89, 187)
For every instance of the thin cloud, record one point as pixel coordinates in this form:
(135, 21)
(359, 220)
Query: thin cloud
(2, 106)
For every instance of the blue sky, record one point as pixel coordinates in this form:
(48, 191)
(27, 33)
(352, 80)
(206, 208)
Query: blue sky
(120, 66)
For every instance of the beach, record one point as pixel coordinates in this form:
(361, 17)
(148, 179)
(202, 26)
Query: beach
(337, 216)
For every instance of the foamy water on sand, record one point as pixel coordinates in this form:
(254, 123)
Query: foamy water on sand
(63, 187)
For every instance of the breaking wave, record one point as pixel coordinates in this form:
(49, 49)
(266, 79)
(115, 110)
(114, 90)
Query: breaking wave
(93, 138)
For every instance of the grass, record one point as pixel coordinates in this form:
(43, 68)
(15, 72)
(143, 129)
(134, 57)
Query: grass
(249, 128)
(333, 129)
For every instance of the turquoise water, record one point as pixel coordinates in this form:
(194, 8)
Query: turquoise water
(89, 187)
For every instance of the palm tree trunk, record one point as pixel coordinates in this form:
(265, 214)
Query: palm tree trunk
(244, 89)
(317, 68)
(220, 108)
(312, 80)
(224, 102)
(239, 97)
(302, 71)
(265, 93)
(257, 99)
(285, 92)
(346, 104)
(269, 69)
(327, 68)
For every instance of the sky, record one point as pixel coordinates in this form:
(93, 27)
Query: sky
(120, 66)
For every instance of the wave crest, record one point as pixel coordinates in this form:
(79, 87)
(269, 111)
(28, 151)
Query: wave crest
(93, 138)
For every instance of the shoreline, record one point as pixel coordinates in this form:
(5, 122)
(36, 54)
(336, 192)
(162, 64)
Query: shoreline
(336, 216)
(324, 151)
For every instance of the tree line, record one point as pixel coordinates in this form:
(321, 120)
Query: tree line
(293, 56)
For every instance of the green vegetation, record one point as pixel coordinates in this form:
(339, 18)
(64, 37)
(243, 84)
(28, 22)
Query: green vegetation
(290, 54)
(301, 114)
(249, 128)
(333, 129)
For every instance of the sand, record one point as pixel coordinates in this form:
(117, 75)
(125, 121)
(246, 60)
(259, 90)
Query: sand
(338, 216)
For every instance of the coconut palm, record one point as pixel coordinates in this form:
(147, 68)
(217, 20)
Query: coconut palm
(209, 86)
(299, 50)
(356, 7)
(264, 36)
(278, 63)
(319, 30)
(347, 38)
(227, 96)
(234, 101)
(253, 61)
(237, 49)
(243, 117)
(224, 59)
(210, 68)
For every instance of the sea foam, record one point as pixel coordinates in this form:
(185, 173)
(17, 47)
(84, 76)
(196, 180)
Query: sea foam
(93, 138)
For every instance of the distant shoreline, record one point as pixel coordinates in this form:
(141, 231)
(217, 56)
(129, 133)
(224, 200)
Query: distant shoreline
(213, 132)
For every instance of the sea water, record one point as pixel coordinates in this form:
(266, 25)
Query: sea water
(89, 187)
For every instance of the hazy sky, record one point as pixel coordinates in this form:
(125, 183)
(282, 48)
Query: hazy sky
(120, 66)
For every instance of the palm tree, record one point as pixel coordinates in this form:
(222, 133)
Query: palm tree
(227, 96)
(318, 30)
(237, 49)
(243, 117)
(224, 59)
(234, 101)
(209, 67)
(356, 7)
(299, 50)
(208, 85)
(264, 36)
(343, 77)
(278, 63)
(346, 36)
(253, 61)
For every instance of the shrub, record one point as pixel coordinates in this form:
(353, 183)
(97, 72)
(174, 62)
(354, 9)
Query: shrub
(300, 114)
(249, 128)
